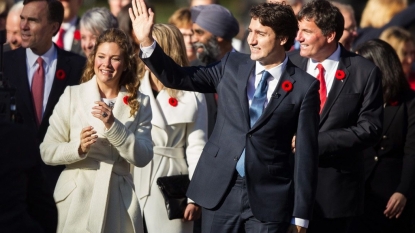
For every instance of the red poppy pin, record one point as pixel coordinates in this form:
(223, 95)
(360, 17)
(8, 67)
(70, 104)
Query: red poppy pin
(77, 35)
(340, 75)
(173, 101)
(60, 74)
(125, 100)
(393, 103)
(287, 86)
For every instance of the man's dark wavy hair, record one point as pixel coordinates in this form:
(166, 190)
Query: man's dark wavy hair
(326, 16)
(280, 17)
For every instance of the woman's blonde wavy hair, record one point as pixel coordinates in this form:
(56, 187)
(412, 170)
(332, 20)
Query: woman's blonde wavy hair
(171, 41)
(129, 75)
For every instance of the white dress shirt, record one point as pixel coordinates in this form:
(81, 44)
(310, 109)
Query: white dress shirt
(330, 66)
(253, 82)
(50, 59)
(272, 81)
(68, 38)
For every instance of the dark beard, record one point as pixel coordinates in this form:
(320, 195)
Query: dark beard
(210, 52)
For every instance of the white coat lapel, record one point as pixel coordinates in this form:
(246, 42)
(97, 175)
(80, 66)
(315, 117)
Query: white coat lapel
(145, 88)
(89, 93)
(121, 110)
(183, 112)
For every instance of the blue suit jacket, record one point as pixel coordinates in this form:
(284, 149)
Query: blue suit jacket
(276, 190)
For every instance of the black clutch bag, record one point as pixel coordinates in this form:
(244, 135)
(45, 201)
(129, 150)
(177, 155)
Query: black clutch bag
(174, 190)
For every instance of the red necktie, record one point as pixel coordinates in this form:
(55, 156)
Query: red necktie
(59, 42)
(323, 88)
(38, 84)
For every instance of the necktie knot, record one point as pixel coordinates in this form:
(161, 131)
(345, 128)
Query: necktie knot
(40, 61)
(320, 68)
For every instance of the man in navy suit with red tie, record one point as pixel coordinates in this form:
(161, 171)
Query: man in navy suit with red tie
(244, 179)
(350, 116)
(40, 71)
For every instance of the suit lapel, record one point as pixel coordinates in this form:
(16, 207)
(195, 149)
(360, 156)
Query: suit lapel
(22, 82)
(277, 95)
(337, 86)
(244, 72)
(389, 115)
(58, 85)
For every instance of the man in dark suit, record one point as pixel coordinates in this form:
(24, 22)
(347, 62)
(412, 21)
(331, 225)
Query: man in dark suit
(68, 37)
(40, 20)
(244, 179)
(26, 202)
(350, 117)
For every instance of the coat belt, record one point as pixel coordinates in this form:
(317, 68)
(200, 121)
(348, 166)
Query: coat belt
(99, 199)
(146, 172)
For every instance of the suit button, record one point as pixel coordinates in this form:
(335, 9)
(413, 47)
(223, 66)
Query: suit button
(382, 148)
(376, 158)
(384, 136)
(250, 135)
(236, 158)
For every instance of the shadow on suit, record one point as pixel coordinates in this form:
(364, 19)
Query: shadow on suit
(26, 202)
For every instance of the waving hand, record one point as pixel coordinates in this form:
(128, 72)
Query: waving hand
(142, 20)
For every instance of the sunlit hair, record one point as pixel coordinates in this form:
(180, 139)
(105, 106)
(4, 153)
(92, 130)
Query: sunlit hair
(171, 41)
(181, 18)
(97, 20)
(397, 37)
(394, 83)
(379, 12)
(129, 76)
(326, 16)
(280, 18)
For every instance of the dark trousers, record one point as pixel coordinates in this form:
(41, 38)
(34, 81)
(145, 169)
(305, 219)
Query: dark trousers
(234, 215)
(329, 225)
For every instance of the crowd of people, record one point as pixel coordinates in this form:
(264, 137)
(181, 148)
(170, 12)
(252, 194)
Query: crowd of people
(301, 121)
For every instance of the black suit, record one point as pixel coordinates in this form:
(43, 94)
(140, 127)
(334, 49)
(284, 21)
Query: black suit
(276, 191)
(15, 70)
(27, 203)
(390, 168)
(351, 121)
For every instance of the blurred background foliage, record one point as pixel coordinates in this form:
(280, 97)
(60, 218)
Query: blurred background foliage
(165, 8)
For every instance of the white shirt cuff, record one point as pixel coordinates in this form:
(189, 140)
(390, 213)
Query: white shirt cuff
(147, 51)
(300, 222)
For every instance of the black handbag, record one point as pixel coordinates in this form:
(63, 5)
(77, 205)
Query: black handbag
(174, 190)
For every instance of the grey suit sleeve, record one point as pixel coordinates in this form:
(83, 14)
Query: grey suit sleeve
(368, 128)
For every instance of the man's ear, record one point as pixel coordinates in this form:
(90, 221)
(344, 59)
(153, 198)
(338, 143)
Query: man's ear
(220, 39)
(55, 28)
(330, 37)
(283, 40)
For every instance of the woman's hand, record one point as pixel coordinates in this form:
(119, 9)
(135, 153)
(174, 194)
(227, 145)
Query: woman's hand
(103, 112)
(142, 21)
(192, 212)
(88, 137)
(395, 205)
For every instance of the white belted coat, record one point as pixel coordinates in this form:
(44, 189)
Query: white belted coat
(95, 193)
(179, 134)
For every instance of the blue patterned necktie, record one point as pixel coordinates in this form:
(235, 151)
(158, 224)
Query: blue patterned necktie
(255, 111)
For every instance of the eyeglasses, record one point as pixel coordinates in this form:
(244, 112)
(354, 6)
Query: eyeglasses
(351, 29)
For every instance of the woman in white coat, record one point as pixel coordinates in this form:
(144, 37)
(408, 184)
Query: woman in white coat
(97, 130)
(179, 133)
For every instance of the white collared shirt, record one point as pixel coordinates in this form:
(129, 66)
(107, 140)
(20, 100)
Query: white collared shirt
(50, 59)
(272, 81)
(68, 38)
(330, 65)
